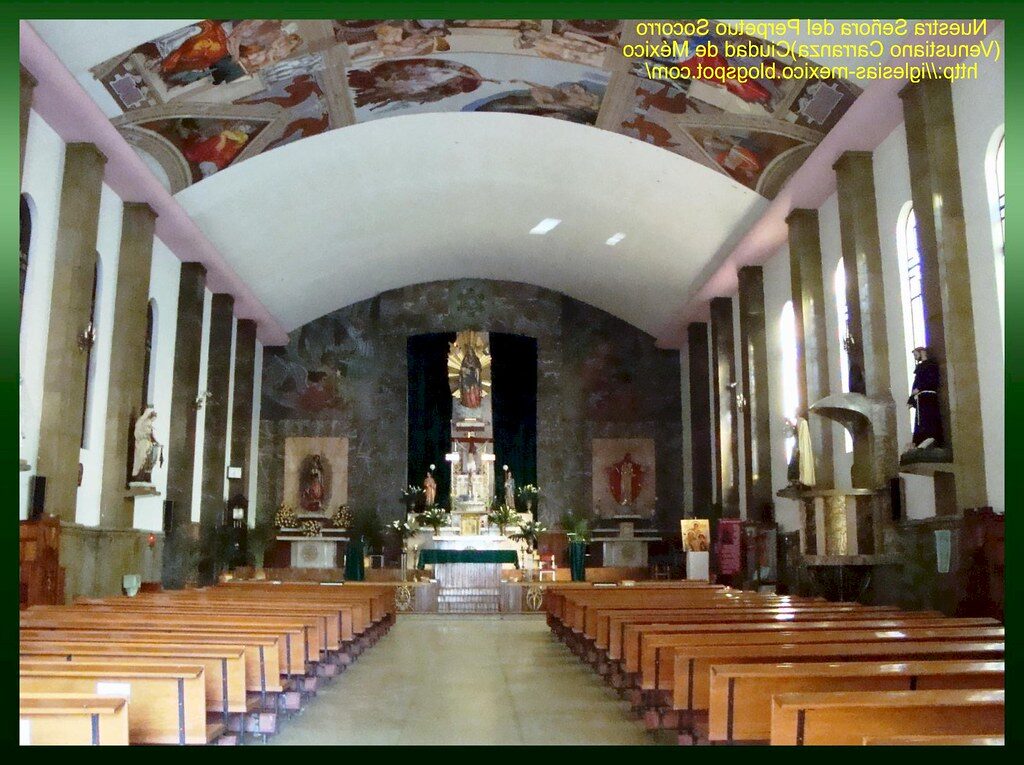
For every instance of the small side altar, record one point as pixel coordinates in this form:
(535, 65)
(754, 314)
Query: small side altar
(627, 545)
(320, 551)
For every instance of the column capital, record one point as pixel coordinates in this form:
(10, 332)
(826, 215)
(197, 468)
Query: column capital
(87, 146)
(801, 214)
(848, 157)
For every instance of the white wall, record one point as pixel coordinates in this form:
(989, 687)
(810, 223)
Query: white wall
(108, 245)
(978, 111)
(164, 274)
(41, 180)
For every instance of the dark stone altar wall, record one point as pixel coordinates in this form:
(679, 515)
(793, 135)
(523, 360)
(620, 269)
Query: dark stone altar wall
(345, 374)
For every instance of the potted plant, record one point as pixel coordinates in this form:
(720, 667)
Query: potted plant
(577, 527)
(435, 517)
(529, 532)
(503, 516)
(259, 538)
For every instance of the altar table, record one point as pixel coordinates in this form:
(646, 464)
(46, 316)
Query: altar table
(436, 555)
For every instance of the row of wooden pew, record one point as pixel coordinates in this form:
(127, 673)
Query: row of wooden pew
(193, 666)
(719, 665)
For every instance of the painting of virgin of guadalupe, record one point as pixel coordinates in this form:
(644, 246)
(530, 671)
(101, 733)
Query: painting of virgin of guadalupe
(412, 80)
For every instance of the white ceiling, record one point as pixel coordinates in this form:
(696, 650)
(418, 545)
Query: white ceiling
(340, 217)
(82, 43)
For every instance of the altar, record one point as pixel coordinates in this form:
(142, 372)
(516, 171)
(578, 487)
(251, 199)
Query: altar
(468, 569)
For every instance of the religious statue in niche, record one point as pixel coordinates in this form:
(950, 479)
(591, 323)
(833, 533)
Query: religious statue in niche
(924, 400)
(469, 369)
(430, 489)
(148, 451)
(625, 478)
(510, 489)
(313, 487)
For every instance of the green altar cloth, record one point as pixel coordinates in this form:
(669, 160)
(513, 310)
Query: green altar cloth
(467, 556)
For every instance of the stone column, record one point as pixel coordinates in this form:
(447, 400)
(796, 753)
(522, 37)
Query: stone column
(215, 435)
(700, 419)
(949, 313)
(28, 84)
(181, 439)
(241, 406)
(60, 431)
(725, 390)
(812, 336)
(865, 300)
(757, 473)
(127, 356)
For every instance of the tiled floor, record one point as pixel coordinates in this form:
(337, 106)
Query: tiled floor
(465, 680)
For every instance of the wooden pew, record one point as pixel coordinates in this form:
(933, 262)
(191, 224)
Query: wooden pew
(223, 666)
(167, 703)
(293, 646)
(740, 705)
(934, 741)
(657, 649)
(847, 717)
(262, 661)
(611, 623)
(72, 719)
(692, 673)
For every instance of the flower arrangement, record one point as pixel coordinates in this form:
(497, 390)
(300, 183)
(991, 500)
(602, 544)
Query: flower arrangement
(285, 517)
(503, 516)
(401, 529)
(435, 517)
(528, 496)
(529, 532)
(342, 517)
(412, 496)
(310, 528)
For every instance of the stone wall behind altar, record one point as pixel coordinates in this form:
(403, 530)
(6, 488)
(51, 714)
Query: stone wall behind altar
(345, 375)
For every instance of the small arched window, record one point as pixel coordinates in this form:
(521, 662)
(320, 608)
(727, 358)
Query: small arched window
(912, 286)
(790, 384)
(843, 331)
(25, 244)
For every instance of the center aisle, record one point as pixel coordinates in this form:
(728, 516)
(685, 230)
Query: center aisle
(465, 680)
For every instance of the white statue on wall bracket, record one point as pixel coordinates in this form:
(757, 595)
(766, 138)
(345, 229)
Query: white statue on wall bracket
(148, 451)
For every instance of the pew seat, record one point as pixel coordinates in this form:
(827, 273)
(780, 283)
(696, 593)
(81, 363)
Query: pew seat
(847, 717)
(740, 706)
(167, 702)
(75, 719)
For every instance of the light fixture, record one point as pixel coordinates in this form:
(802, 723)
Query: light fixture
(545, 226)
(451, 457)
(614, 239)
(487, 457)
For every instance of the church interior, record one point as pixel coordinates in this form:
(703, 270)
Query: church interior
(607, 409)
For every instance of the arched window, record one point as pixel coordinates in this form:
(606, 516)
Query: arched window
(148, 355)
(790, 385)
(25, 244)
(912, 286)
(843, 330)
(90, 358)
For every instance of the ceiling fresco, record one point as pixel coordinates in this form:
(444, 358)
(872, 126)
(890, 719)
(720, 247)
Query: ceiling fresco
(215, 93)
